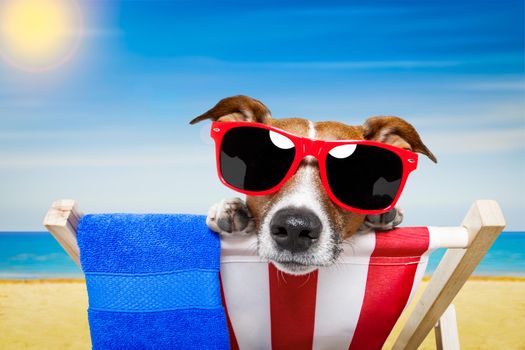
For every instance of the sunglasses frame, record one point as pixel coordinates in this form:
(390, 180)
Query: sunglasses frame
(319, 149)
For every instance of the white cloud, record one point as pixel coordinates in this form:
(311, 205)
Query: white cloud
(476, 142)
(325, 65)
(505, 85)
(152, 157)
(356, 65)
(491, 114)
(67, 134)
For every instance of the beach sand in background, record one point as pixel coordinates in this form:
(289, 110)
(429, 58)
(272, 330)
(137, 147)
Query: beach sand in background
(40, 314)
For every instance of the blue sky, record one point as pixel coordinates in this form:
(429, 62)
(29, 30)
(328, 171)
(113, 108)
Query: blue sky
(110, 127)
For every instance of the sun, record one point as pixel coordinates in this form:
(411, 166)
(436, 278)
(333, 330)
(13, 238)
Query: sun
(39, 35)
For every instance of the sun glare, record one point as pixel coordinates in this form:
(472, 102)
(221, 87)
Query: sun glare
(38, 34)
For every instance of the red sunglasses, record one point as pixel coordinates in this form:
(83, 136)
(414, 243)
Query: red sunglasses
(362, 176)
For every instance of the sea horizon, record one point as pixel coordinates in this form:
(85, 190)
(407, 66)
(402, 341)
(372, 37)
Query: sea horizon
(28, 255)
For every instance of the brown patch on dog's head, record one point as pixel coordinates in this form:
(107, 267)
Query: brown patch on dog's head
(332, 131)
(395, 131)
(237, 108)
(296, 126)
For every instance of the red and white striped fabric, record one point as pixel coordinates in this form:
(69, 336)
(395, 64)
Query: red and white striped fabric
(351, 305)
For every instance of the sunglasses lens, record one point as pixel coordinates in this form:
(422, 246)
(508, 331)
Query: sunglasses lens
(364, 177)
(255, 159)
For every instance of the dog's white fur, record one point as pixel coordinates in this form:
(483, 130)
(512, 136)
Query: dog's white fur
(305, 195)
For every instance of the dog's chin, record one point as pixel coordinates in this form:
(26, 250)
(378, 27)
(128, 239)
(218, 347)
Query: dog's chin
(294, 268)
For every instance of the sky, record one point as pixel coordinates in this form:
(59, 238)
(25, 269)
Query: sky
(109, 126)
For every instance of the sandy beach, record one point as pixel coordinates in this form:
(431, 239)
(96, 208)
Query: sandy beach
(42, 314)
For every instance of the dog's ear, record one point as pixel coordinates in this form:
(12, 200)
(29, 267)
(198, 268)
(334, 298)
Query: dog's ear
(395, 131)
(236, 108)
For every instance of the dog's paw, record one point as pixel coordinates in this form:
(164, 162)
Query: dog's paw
(231, 217)
(383, 222)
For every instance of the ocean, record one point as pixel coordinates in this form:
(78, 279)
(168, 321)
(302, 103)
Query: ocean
(32, 255)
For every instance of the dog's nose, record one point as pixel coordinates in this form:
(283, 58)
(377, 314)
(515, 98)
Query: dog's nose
(295, 229)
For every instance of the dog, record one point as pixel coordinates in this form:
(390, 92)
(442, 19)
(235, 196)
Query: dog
(302, 203)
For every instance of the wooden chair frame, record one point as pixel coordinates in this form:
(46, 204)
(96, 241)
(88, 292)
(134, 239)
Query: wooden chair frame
(483, 222)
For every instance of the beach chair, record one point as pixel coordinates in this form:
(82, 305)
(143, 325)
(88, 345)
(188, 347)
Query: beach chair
(254, 287)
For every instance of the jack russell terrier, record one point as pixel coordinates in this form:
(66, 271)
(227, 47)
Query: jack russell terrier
(308, 185)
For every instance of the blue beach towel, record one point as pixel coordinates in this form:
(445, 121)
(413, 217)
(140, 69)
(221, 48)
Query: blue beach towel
(152, 281)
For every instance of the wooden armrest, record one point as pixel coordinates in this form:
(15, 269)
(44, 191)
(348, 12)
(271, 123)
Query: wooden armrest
(62, 220)
(484, 221)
